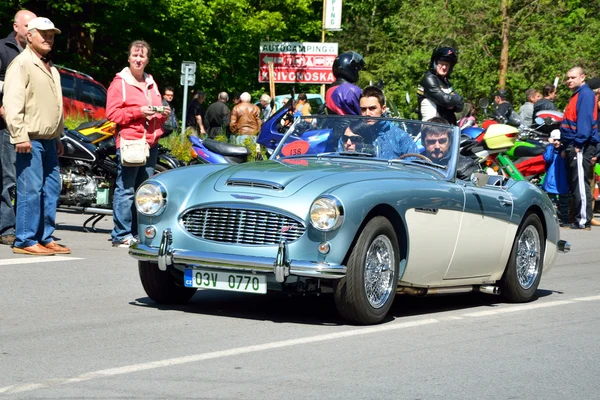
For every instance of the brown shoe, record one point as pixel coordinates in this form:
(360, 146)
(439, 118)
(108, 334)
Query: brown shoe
(35, 250)
(595, 222)
(57, 248)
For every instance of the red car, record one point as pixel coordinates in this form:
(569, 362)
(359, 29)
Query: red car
(82, 95)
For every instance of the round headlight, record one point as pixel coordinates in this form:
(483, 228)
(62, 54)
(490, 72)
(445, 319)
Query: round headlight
(150, 198)
(326, 213)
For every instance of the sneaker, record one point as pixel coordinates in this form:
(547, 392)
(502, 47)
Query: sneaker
(577, 226)
(125, 243)
(8, 239)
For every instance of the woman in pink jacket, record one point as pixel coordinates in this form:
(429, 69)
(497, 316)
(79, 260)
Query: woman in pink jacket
(129, 102)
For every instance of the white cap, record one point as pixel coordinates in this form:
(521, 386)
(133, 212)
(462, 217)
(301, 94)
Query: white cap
(555, 134)
(42, 24)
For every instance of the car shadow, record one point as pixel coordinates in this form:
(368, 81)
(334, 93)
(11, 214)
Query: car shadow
(319, 310)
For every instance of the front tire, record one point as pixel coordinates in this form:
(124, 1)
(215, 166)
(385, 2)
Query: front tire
(161, 287)
(364, 296)
(524, 269)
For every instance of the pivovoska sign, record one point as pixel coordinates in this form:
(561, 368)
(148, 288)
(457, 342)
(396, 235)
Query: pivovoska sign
(297, 62)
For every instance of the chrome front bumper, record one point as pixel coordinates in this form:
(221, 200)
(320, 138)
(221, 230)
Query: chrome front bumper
(166, 256)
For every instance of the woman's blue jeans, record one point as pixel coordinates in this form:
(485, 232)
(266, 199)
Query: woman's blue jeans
(38, 189)
(128, 180)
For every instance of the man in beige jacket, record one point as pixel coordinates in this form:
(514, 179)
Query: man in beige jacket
(245, 121)
(34, 115)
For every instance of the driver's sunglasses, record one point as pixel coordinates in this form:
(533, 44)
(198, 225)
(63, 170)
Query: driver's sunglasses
(431, 142)
(353, 139)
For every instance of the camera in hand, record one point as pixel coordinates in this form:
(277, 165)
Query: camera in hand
(158, 109)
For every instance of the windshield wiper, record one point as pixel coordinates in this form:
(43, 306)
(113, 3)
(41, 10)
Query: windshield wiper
(355, 154)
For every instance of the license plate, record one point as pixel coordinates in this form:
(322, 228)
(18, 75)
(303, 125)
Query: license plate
(219, 280)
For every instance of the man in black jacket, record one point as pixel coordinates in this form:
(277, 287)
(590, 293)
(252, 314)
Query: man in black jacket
(435, 94)
(10, 47)
(217, 116)
(547, 102)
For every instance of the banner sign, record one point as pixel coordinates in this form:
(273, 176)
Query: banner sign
(333, 15)
(295, 62)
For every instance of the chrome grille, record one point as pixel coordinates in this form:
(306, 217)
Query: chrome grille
(242, 226)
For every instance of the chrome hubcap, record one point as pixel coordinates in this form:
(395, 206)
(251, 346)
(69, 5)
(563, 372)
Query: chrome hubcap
(379, 271)
(528, 257)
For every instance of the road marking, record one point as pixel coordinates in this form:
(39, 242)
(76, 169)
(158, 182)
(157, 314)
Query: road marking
(128, 369)
(216, 354)
(36, 259)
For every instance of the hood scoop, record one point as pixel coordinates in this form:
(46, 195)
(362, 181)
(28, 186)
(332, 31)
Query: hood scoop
(254, 183)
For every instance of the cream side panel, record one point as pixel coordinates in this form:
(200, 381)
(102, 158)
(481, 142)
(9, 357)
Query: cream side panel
(480, 247)
(432, 240)
(508, 243)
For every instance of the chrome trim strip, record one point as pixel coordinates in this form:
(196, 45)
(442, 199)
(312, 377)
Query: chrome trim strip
(237, 262)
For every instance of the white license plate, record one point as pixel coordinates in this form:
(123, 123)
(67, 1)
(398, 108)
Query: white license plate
(219, 280)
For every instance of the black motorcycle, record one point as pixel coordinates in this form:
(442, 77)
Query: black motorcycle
(88, 173)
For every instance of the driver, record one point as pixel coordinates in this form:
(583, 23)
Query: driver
(391, 141)
(435, 94)
(436, 141)
(342, 97)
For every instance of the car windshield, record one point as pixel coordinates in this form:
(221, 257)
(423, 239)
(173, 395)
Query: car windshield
(383, 139)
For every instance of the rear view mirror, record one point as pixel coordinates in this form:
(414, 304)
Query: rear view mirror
(539, 121)
(484, 103)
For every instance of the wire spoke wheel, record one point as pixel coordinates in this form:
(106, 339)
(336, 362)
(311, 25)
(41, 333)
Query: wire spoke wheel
(379, 271)
(528, 257)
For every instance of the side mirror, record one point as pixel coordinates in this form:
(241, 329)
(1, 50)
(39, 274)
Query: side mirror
(479, 179)
(539, 121)
(484, 103)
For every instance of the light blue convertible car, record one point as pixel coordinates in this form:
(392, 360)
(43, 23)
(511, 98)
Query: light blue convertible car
(361, 208)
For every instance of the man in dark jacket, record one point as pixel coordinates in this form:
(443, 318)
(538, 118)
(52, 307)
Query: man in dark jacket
(10, 47)
(435, 94)
(217, 116)
(547, 102)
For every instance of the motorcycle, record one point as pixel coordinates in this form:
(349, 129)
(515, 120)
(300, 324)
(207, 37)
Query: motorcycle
(88, 173)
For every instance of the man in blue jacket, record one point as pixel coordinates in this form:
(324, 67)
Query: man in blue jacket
(579, 137)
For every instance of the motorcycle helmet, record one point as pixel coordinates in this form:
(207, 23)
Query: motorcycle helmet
(448, 54)
(347, 65)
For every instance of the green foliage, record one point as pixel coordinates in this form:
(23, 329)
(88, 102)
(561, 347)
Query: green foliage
(74, 122)
(180, 147)
(547, 37)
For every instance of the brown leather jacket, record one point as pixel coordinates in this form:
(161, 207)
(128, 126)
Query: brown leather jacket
(245, 119)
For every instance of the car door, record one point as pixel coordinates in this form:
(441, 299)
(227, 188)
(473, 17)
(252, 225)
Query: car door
(483, 231)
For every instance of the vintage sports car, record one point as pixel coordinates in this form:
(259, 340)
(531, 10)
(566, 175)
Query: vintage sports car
(360, 207)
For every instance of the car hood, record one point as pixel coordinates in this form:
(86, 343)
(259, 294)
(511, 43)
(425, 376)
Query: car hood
(285, 178)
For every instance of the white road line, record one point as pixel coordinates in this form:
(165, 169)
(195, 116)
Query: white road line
(216, 354)
(128, 369)
(36, 259)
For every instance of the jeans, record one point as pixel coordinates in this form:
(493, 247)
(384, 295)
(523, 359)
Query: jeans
(38, 189)
(7, 183)
(128, 180)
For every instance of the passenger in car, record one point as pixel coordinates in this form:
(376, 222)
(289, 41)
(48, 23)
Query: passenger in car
(357, 137)
(391, 141)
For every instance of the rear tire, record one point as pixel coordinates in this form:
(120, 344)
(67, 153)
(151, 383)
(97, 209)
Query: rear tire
(365, 295)
(525, 265)
(161, 286)
(158, 168)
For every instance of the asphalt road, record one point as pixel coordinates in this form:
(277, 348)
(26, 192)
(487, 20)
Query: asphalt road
(80, 326)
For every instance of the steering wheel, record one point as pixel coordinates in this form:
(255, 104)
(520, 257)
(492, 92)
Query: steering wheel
(415, 155)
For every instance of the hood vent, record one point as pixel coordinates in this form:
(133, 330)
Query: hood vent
(254, 184)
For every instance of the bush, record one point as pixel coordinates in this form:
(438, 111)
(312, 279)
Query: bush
(74, 122)
(181, 148)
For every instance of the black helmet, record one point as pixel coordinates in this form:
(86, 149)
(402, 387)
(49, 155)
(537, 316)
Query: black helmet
(448, 54)
(347, 65)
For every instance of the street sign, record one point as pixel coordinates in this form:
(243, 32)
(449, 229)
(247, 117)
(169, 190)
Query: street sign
(189, 80)
(333, 15)
(189, 66)
(296, 62)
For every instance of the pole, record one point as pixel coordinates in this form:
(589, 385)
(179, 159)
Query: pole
(271, 80)
(184, 114)
(323, 41)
